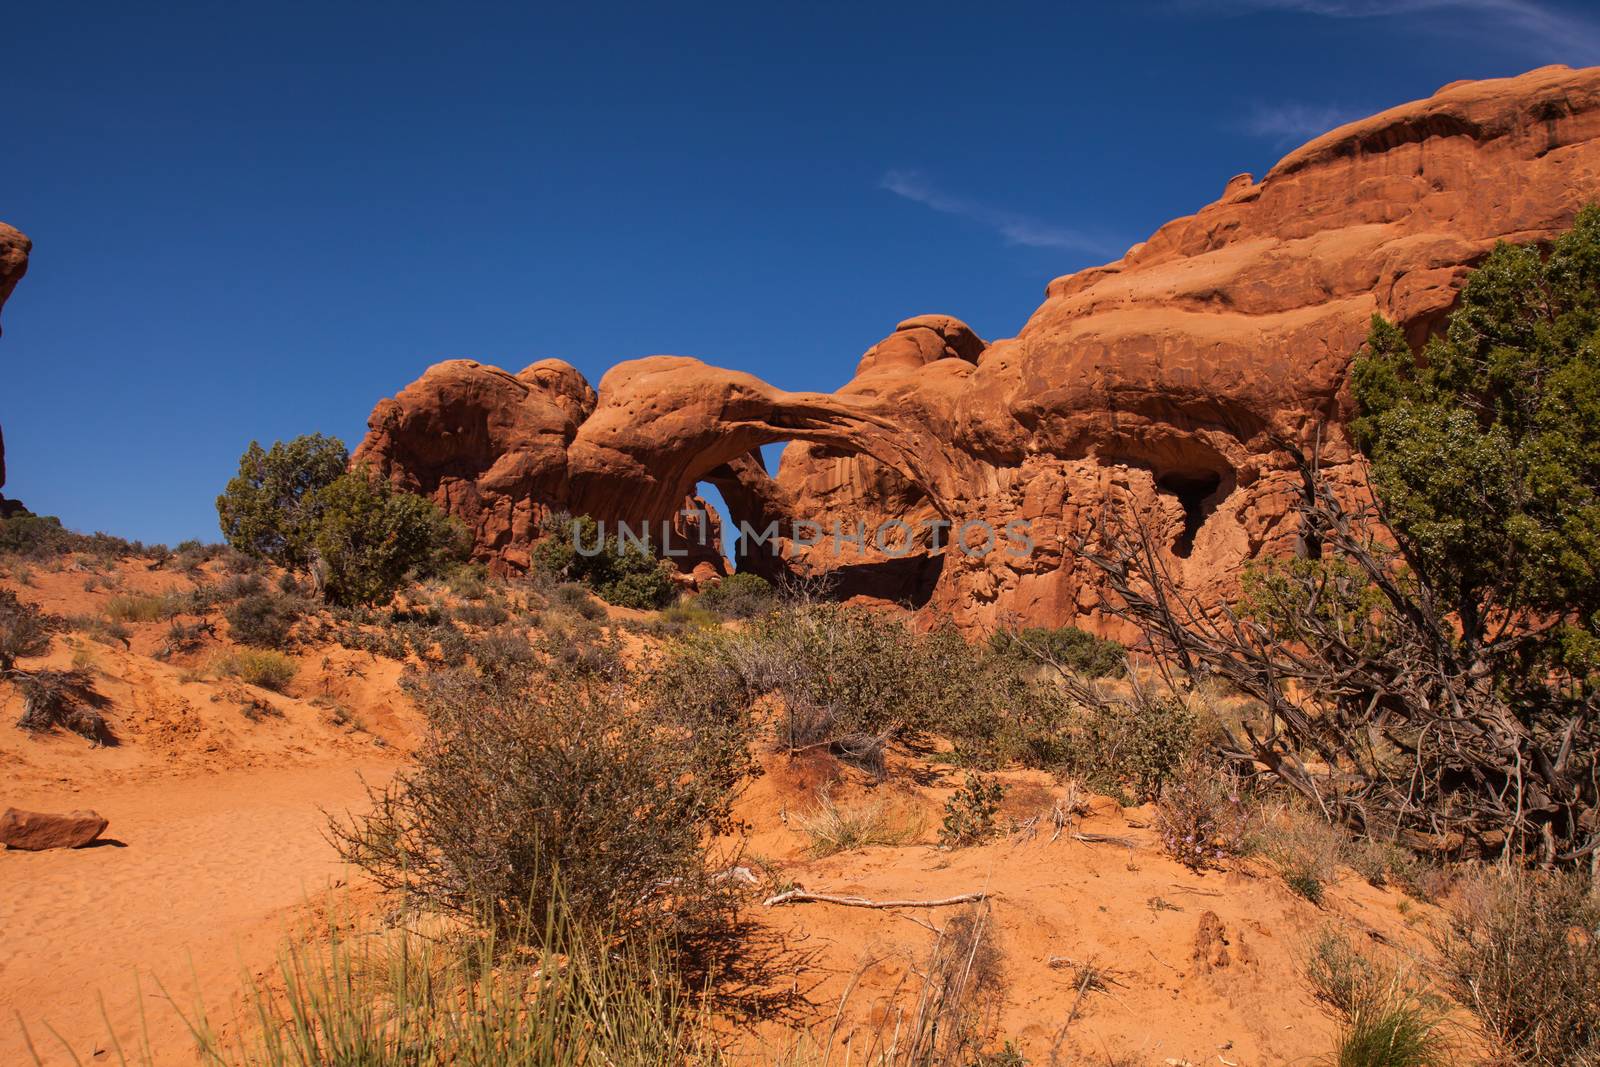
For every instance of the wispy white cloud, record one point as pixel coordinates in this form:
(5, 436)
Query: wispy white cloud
(1525, 25)
(1014, 228)
(1288, 121)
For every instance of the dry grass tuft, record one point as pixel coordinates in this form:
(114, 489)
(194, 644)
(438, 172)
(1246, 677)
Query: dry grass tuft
(835, 827)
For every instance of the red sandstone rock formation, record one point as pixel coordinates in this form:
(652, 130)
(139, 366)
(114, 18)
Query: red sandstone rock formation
(14, 248)
(1162, 382)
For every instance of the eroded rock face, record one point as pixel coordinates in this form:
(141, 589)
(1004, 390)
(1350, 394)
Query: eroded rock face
(14, 249)
(1163, 384)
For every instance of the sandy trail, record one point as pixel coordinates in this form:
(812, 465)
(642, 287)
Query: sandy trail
(204, 888)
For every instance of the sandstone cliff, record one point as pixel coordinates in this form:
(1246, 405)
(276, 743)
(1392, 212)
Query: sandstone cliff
(1163, 382)
(14, 248)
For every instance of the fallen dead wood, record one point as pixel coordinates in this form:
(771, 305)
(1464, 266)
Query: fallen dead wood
(800, 896)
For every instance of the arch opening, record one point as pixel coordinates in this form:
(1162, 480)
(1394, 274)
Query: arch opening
(1197, 493)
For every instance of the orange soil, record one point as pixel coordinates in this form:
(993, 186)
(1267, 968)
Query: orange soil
(220, 823)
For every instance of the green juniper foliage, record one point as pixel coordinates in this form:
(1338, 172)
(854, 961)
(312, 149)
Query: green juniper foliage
(369, 536)
(270, 508)
(620, 572)
(1486, 451)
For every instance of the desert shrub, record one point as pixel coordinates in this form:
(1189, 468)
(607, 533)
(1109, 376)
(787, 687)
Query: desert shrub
(680, 619)
(469, 581)
(259, 710)
(99, 628)
(1388, 1017)
(452, 645)
(1133, 746)
(184, 637)
(413, 999)
(969, 814)
(619, 570)
(132, 607)
(35, 537)
(368, 536)
(583, 649)
(576, 598)
(834, 827)
(852, 680)
(530, 781)
(269, 670)
(1306, 852)
(481, 615)
(1523, 952)
(237, 587)
(963, 987)
(741, 595)
(1393, 1032)
(1340, 975)
(65, 699)
(1202, 816)
(42, 537)
(189, 556)
(271, 508)
(1066, 648)
(25, 631)
(262, 619)
(503, 651)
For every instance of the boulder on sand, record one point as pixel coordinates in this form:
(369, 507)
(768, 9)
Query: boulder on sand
(36, 831)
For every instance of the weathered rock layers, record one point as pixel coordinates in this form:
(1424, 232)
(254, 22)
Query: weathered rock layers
(14, 249)
(1163, 382)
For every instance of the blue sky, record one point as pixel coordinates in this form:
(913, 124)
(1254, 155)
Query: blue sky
(254, 221)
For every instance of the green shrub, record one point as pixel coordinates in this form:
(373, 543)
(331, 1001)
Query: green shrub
(533, 787)
(42, 537)
(1133, 746)
(369, 536)
(269, 670)
(575, 597)
(469, 581)
(1066, 648)
(36, 537)
(262, 619)
(969, 814)
(271, 509)
(618, 569)
(1388, 1018)
(739, 596)
(852, 679)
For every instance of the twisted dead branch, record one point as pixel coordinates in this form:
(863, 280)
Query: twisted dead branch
(1388, 710)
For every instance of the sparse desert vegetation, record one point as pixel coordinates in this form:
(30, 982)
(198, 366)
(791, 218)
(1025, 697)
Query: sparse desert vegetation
(1263, 727)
